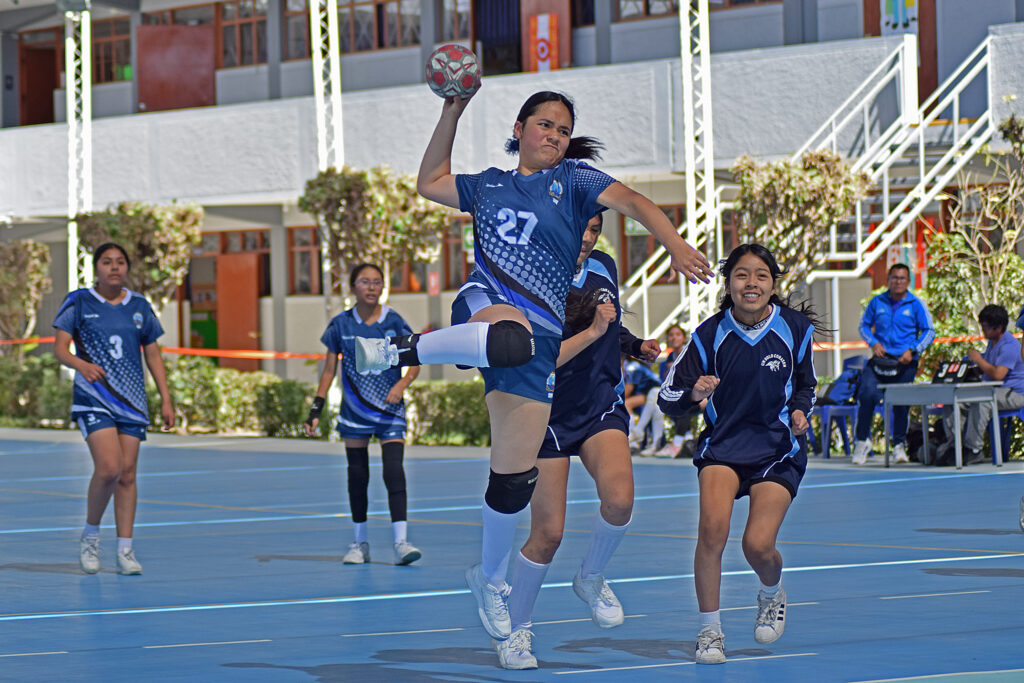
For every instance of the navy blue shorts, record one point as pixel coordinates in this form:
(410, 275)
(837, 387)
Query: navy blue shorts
(383, 432)
(92, 420)
(534, 380)
(561, 442)
(784, 471)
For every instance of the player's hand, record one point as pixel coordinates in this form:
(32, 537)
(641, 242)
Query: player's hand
(454, 106)
(974, 355)
(798, 423)
(908, 356)
(91, 372)
(167, 413)
(604, 314)
(878, 349)
(703, 387)
(692, 265)
(309, 426)
(650, 350)
(394, 395)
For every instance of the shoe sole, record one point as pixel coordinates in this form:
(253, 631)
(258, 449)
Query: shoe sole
(129, 573)
(492, 631)
(87, 570)
(709, 660)
(409, 558)
(348, 562)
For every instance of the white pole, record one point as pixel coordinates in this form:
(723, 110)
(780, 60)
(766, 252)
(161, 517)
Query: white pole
(78, 109)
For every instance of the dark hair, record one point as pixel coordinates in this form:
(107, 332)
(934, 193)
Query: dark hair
(761, 252)
(899, 266)
(582, 147)
(98, 252)
(993, 316)
(677, 326)
(360, 268)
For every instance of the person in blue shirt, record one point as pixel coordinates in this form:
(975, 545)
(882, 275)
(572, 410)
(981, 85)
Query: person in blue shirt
(528, 225)
(588, 419)
(1001, 362)
(752, 361)
(371, 405)
(113, 329)
(897, 328)
(641, 396)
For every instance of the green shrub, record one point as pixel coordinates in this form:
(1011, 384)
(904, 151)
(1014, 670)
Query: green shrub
(33, 392)
(447, 413)
(283, 406)
(238, 398)
(195, 392)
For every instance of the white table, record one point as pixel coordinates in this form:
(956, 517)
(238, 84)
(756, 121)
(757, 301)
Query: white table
(947, 394)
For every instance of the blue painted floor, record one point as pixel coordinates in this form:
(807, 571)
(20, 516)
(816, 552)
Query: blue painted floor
(891, 573)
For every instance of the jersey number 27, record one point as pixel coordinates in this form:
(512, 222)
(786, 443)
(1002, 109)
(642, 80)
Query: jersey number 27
(510, 221)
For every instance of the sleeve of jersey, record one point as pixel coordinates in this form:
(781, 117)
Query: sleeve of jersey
(588, 184)
(629, 343)
(866, 322)
(330, 339)
(65, 319)
(466, 186)
(402, 326)
(151, 327)
(674, 398)
(804, 380)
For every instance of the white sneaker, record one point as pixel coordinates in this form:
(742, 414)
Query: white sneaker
(374, 355)
(899, 453)
(649, 451)
(491, 603)
(710, 646)
(605, 608)
(516, 652)
(771, 617)
(669, 450)
(126, 562)
(861, 449)
(89, 554)
(358, 553)
(406, 553)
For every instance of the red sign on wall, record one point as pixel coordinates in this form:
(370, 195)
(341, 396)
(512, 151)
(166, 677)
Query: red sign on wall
(543, 42)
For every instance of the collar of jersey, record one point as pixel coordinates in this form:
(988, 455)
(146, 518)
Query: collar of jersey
(529, 178)
(752, 334)
(383, 312)
(127, 296)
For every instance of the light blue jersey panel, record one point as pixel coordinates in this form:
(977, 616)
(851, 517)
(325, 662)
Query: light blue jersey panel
(528, 230)
(110, 336)
(363, 407)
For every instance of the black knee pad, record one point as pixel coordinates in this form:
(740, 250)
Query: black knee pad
(509, 344)
(510, 493)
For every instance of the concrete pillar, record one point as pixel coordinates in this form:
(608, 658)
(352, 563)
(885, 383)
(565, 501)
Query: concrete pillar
(603, 32)
(134, 21)
(428, 29)
(275, 19)
(279, 288)
(799, 21)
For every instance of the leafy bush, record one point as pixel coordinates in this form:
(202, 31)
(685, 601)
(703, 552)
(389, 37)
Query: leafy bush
(447, 413)
(282, 407)
(33, 392)
(195, 392)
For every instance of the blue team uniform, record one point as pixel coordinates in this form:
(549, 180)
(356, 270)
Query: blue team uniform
(527, 233)
(364, 413)
(765, 373)
(588, 388)
(641, 377)
(110, 336)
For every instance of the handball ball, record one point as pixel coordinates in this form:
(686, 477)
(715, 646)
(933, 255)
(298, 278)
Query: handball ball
(452, 71)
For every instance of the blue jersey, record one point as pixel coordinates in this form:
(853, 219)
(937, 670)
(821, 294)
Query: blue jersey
(110, 336)
(363, 405)
(527, 231)
(765, 372)
(591, 383)
(641, 377)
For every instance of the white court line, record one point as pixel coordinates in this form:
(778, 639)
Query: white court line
(663, 666)
(938, 677)
(223, 642)
(457, 591)
(791, 604)
(930, 595)
(402, 633)
(35, 654)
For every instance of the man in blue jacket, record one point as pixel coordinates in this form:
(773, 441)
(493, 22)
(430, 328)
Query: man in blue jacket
(897, 327)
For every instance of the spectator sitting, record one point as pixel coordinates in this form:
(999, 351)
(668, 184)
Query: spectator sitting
(897, 327)
(641, 388)
(1001, 362)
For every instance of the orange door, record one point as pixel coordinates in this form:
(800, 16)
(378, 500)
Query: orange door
(176, 67)
(38, 79)
(238, 313)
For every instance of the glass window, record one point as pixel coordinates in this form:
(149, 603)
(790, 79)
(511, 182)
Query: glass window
(377, 24)
(111, 50)
(304, 261)
(243, 33)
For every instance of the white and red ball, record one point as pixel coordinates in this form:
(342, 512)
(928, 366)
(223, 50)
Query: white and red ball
(453, 71)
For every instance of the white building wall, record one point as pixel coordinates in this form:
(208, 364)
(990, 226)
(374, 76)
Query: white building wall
(840, 19)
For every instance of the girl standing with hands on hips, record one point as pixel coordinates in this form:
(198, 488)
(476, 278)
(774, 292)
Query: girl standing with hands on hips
(752, 362)
(507, 318)
(110, 324)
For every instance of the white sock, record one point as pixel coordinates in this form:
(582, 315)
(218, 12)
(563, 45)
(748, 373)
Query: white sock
(400, 529)
(465, 344)
(499, 535)
(91, 530)
(713, 619)
(604, 541)
(360, 529)
(527, 577)
(771, 591)
(123, 544)
(648, 412)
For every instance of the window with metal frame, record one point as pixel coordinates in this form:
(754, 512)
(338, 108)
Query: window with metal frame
(111, 50)
(241, 33)
(455, 20)
(730, 4)
(296, 29)
(643, 9)
(456, 253)
(378, 24)
(304, 276)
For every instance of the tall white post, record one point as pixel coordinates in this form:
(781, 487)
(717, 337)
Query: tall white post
(78, 92)
(698, 143)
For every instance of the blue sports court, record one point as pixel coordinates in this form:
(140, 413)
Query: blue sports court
(909, 573)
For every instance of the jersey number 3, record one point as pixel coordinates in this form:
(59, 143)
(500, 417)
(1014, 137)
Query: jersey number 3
(510, 221)
(115, 347)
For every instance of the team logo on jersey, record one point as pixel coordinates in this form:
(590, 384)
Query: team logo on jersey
(773, 362)
(137, 319)
(555, 191)
(551, 385)
(604, 296)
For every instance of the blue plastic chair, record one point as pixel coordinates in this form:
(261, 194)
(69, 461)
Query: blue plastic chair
(840, 414)
(1005, 431)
